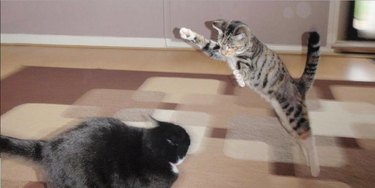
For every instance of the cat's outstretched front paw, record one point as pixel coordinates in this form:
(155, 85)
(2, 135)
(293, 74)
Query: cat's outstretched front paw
(187, 34)
(239, 78)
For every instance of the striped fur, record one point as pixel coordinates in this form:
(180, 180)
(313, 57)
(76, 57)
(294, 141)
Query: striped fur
(258, 67)
(313, 56)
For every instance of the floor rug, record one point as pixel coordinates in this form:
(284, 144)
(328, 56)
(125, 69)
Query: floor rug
(237, 140)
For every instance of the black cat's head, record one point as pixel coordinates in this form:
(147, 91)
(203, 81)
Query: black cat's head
(167, 141)
(234, 37)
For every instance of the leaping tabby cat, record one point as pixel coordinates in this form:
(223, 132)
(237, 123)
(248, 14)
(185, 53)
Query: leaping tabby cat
(258, 67)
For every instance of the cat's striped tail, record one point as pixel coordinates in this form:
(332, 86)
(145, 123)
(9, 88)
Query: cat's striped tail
(30, 149)
(313, 56)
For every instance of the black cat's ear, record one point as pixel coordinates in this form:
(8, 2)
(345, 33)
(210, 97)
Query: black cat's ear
(154, 121)
(219, 25)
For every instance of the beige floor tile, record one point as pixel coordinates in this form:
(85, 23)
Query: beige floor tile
(246, 150)
(177, 88)
(222, 108)
(344, 119)
(108, 102)
(38, 121)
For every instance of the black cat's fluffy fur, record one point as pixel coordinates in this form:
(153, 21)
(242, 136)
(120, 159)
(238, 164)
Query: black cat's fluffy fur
(104, 152)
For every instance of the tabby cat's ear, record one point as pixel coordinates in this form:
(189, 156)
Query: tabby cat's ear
(239, 37)
(219, 25)
(241, 33)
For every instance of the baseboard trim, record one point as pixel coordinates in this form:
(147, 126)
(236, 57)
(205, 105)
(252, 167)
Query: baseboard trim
(82, 40)
(132, 42)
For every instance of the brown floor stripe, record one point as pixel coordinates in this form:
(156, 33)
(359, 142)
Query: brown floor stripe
(65, 85)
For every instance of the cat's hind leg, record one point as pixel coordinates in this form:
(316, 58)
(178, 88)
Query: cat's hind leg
(310, 152)
(304, 138)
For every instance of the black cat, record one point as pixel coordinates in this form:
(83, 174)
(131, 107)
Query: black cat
(105, 152)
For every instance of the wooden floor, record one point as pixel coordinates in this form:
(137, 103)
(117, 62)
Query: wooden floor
(13, 58)
(237, 142)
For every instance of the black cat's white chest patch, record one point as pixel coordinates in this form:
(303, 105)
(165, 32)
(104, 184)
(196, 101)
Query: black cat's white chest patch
(174, 168)
(174, 165)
